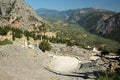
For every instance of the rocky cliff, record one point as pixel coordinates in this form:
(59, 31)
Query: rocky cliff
(109, 28)
(17, 13)
(109, 25)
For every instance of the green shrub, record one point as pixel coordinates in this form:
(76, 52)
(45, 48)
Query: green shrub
(45, 46)
(6, 41)
(17, 32)
(109, 76)
(71, 43)
(53, 40)
(32, 34)
(104, 52)
(44, 37)
(27, 34)
(57, 40)
(118, 52)
(4, 30)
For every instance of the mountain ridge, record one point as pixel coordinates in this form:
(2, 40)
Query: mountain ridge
(109, 28)
(44, 11)
(92, 19)
(82, 16)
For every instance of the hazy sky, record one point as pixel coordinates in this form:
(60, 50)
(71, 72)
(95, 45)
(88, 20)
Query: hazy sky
(113, 5)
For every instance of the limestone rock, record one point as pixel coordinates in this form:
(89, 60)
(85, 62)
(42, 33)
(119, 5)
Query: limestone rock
(100, 62)
(17, 13)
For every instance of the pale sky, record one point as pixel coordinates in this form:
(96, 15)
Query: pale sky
(113, 5)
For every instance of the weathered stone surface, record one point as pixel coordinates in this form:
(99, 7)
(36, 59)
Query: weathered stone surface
(100, 62)
(92, 76)
(20, 63)
(82, 54)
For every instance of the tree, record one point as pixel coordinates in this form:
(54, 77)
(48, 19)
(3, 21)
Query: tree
(104, 52)
(118, 53)
(4, 30)
(45, 46)
(17, 32)
(27, 34)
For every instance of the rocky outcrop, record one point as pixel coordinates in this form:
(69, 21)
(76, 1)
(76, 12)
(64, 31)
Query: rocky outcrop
(109, 25)
(18, 14)
(109, 28)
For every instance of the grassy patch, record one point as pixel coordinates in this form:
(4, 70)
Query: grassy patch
(6, 41)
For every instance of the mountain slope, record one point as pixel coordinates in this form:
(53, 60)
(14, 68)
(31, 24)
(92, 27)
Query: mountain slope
(51, 14)
(109, 28)
(86, 17)
(94, 20)
(73, 34)
(17, 14)
(46, 11)
(109, 25)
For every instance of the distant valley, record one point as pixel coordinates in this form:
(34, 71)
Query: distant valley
(93, 20)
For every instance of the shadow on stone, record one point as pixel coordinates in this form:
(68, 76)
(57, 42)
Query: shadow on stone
(87, 75)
